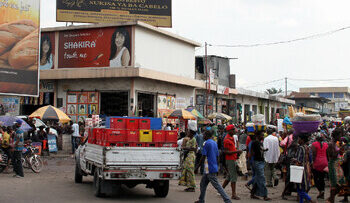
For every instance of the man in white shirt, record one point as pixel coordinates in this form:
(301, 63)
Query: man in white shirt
(271, 143)
(75, 135)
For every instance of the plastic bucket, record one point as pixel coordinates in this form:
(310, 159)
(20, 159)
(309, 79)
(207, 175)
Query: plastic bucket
(296, 174)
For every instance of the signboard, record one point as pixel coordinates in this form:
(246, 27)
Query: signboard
(51, 139)
(47, 86)
(9, 105)
(223, 90)
(154, 12)
(99, 47)
(19, 39)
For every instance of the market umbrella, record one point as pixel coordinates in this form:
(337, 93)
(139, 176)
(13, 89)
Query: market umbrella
(180, 114)
(196, 113)
(220, 116)
(204, 121)
(10, 121)
(50, 113)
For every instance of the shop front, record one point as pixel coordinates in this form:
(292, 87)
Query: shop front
(46, 97)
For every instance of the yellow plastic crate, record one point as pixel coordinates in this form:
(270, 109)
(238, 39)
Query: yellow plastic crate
(145, 135)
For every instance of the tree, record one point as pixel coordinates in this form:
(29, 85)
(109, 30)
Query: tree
(273, 91)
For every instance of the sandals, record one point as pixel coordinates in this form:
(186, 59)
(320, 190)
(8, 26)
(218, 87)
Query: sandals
(235, 197)
(267, 199)
(254, 197)
(189, 190)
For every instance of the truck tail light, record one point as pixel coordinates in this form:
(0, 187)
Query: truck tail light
(118, 175)
(166, 175)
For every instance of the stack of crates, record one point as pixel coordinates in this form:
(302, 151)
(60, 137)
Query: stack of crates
(133, 132)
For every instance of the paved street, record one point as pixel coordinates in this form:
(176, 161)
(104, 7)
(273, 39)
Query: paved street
(55, 184)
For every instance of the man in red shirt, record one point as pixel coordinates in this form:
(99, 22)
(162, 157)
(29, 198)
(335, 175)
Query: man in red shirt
(231, 155)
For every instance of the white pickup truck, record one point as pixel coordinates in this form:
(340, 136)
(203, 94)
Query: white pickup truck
(113, 166)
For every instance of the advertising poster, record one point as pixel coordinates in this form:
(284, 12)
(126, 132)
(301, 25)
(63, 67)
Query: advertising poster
(51, 140)
(47, 50)
(153, 12)
(81, 104)
(9, 105)
(99, 47)
(19, 50)
(162, 102)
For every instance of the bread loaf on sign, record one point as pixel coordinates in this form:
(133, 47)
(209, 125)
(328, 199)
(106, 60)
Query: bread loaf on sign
(4, 60)
(11, 33)
(25, 53)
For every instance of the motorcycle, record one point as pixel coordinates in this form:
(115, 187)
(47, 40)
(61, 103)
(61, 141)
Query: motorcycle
(3, 161)
(32, 160)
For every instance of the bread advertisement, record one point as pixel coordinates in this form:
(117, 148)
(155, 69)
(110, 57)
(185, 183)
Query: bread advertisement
(19, 47)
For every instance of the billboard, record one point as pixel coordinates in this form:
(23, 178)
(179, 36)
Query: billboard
(47, 50)
(98, 47)
(19, 47)
(154, 12)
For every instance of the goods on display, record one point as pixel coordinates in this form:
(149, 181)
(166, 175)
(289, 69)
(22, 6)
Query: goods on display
(82, 104)
(19, 50)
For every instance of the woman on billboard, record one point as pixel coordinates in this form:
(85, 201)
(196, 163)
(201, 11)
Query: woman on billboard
(46, 57)
(120, 46)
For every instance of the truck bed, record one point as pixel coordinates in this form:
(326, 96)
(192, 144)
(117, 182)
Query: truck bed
(132, 156)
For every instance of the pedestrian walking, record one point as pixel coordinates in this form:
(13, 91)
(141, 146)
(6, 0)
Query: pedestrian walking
(336, 174)
(210, 154)
(320, 162)
(231, 155)
(272, 155)
(188, 177)
(304, 159)
(259, 185)
(18, 148)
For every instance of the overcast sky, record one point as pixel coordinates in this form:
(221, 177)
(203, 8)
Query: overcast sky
(233, 22)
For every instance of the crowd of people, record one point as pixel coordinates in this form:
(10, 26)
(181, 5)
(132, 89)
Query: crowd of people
(13, 139)
(233, 151)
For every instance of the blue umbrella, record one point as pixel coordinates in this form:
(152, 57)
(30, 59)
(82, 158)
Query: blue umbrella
(10, 121)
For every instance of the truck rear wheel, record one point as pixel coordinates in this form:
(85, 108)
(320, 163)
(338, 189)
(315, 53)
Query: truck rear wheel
(98, 185)
(78, 177)
(161, 188)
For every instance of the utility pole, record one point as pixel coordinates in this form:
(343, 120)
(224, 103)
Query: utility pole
(286, 86)
(206, 80)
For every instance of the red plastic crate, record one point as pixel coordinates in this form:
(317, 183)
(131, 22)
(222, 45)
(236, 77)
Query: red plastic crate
(132, 136)
(152, 144)
(158, 136)
(96, 133)
(167, 145)
(91, 136)
(140, 144)
(144, 124)
(171, 136)
(115, 135)
(132, 124)
(129, 144)
(118, 123)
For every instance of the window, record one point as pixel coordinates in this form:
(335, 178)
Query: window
(312, 94)
(338, 95)
(326, 95)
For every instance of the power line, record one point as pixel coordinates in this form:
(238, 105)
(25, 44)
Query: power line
(314, 36)
(264, 83)
(317, 80)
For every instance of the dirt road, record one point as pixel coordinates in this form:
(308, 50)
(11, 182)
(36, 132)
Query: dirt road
(56, 184)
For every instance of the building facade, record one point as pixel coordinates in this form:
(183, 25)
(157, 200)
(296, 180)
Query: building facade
(339, 96)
